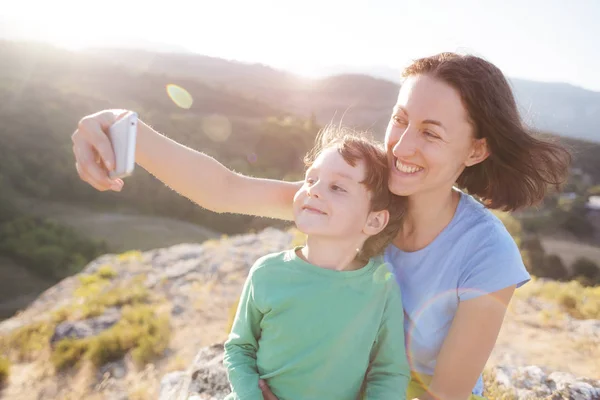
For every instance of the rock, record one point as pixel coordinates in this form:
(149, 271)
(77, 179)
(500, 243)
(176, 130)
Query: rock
(166, 257)
(170, 385)
(114, 369)
(181, 268)
(587, 327)
(206, 378)
(177, 309)
(71, 330)
(532, 382)
(85, 328)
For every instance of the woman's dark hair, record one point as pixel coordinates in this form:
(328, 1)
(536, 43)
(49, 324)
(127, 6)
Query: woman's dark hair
(520, 167)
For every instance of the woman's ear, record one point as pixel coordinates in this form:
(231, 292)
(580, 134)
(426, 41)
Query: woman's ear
(376, 221)
(479, 152)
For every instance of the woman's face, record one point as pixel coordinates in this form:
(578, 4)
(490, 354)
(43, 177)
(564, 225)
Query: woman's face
(429, 138)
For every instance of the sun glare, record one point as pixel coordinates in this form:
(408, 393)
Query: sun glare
(74, 27)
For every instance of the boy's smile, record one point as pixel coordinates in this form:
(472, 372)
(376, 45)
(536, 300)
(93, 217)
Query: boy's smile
(332, 202)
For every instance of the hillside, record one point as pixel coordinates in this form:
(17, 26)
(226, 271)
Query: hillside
(359, 100)
(45, 92)
(363, 96)
(171, 303)
(254, 119)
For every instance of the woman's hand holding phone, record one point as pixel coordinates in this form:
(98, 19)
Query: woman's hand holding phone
(96, 159)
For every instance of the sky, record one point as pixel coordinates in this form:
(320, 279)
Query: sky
(551, 41)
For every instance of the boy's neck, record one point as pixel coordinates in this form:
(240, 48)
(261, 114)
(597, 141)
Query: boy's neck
(339, 255)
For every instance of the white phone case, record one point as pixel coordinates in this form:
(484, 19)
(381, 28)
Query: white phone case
(122, 135)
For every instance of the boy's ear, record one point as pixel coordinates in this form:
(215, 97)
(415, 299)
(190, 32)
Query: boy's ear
(376, 221)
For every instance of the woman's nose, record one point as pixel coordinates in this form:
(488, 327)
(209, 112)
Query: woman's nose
(406, 145)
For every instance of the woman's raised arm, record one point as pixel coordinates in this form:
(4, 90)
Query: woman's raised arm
(191, 173)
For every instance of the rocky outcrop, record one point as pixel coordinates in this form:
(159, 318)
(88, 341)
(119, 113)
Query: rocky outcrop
(206, 378)
(197, 285)
(85, 328)
(532, 382)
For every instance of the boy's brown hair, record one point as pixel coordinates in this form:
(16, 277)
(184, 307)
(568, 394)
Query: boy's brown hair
(355, 147)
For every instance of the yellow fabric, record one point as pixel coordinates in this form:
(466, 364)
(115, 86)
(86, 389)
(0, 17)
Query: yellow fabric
(418, 384)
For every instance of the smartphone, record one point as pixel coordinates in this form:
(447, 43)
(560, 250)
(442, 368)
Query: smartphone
(122, 136)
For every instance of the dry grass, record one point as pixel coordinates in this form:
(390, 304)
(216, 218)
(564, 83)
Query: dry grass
(573, 298)
(141, 331)
(494, 391)
(177, 363)
(106, 272)
(4, 370)
(27, 342)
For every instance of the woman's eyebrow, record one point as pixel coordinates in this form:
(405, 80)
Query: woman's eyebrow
(398, 107)
(434, 122)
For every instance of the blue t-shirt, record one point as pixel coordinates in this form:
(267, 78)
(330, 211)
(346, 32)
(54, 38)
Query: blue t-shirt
(473, 255)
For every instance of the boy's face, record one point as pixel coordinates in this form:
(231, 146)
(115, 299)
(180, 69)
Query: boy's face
(332, 202)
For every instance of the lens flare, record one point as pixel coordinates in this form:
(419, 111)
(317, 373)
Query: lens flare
(423, 320)
(382, 273)
(216, 127)
(181, 97)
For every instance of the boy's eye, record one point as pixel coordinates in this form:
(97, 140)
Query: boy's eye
(310, 181)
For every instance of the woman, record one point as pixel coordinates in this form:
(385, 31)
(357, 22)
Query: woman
(455, 125)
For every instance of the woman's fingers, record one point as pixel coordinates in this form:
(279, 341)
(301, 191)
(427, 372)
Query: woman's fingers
(266, 390)
(93, 172)
(86, 178)
(94, 154)
(90, 131)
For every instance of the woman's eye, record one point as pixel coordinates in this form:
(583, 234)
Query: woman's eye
(337, 188)
(431, 134)
(398, 120)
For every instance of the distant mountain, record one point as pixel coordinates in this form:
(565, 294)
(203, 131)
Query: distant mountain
(560, 108)
(363, 96)
(360, 100)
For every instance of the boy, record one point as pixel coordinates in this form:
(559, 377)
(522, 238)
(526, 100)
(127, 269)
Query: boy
(325, 320)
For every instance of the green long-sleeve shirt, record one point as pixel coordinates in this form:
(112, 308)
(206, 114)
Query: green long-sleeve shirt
(312, 332)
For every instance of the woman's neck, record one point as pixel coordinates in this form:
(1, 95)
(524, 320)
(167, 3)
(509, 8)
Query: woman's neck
(427, 216)
(333, 254)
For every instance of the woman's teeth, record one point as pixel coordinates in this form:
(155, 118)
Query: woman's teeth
(407, 169)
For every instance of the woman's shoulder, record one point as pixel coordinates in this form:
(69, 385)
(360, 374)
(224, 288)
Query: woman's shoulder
(492, 257)
(481, 227)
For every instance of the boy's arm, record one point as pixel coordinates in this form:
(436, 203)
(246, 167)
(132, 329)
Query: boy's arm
(389, 372)
(242, 344)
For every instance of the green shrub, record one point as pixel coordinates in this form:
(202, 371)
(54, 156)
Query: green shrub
(106, 272)
(575, 299)
(68, 353)
(140, 330)
(28, 341)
